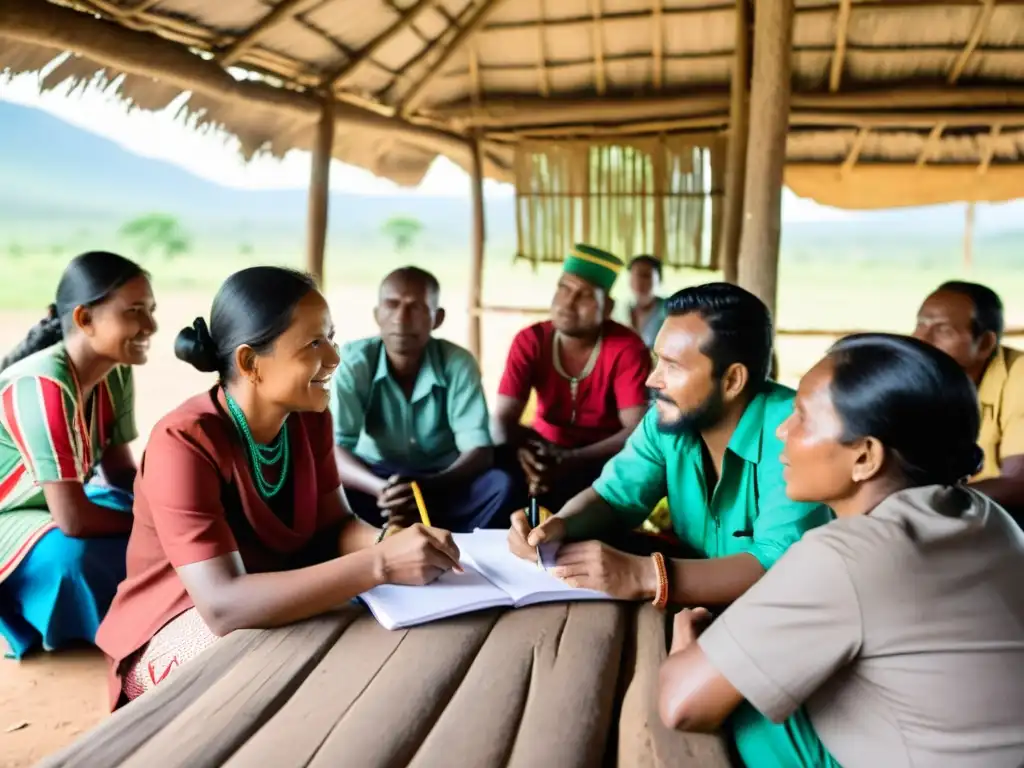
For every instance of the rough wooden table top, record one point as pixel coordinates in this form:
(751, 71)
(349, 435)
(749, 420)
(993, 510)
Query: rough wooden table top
(568, 685)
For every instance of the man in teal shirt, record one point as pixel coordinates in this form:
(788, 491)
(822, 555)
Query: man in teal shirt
(407, 407)
(709, 445)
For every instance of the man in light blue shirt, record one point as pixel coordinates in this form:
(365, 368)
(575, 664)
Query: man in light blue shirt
(406, 407)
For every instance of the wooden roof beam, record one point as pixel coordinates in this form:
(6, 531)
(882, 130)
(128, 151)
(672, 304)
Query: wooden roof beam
(657, 44)
(141, 7)
(842, 26)
(543, 81)
(809, 118)
(679, 14)
(931, 144)
(424, 53)
(336, 79)
(412, 27)
(600, 80)
(476, 86)
(988, 151)
(855, 149)
(980, 25)
(283, 11)
(414, 95)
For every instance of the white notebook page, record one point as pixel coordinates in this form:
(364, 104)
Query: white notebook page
(488, 551)
(396, 606)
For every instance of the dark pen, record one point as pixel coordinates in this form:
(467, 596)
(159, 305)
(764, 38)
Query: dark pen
(534, 516)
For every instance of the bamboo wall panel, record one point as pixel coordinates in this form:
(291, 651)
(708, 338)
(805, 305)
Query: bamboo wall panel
(659, 196)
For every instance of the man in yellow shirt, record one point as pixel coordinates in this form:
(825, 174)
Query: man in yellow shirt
(965, 320)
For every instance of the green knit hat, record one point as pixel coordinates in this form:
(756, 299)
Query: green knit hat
(597, 267)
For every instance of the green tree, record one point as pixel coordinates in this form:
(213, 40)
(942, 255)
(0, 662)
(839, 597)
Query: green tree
(403, 231)
(157, 232)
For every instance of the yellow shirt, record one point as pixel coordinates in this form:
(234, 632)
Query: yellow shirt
(1001, 395)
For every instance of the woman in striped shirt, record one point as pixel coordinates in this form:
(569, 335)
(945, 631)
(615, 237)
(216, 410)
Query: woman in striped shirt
(66, 419)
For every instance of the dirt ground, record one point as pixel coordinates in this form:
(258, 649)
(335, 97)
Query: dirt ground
(47, 701)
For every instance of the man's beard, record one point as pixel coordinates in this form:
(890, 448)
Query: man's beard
(696, 420)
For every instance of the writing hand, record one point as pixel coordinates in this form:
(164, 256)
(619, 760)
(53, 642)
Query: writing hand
(524, 540)
(415, 556)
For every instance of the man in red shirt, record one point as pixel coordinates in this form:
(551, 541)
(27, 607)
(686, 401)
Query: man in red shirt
(589, 374)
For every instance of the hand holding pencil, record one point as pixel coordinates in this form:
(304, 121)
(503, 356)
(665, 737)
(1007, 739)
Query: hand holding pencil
(430, 551)
(525, 538)
(415, 556)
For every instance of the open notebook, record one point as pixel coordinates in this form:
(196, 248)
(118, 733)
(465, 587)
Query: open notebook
(494, 577)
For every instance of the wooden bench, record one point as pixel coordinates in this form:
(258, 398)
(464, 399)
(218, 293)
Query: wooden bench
(568, 685)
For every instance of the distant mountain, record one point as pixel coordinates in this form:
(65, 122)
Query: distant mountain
(56, 173)
(58, 177)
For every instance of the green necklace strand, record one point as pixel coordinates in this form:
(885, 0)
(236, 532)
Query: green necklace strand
(261, 456)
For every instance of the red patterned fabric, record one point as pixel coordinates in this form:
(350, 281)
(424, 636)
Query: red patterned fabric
(180, 641)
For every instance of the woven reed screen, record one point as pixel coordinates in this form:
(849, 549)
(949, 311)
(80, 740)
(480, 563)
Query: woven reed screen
(659, 196)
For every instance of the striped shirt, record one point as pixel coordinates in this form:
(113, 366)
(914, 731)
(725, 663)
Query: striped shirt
(50, 434)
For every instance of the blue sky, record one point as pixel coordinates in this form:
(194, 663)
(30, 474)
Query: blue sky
(214, 156)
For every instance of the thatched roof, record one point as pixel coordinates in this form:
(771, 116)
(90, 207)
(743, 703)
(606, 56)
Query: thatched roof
(894, 101)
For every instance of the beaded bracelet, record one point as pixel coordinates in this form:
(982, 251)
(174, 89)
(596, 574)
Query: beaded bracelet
(661, 594)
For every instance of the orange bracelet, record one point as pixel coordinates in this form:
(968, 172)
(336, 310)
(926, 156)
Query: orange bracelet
(661, 594)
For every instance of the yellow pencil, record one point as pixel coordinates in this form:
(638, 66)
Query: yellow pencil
(420, 504)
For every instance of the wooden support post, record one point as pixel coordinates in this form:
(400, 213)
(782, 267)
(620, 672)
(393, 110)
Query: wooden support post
(319, 192)
(969, 237)
(766, 149)
(736, 161)
(476, 267)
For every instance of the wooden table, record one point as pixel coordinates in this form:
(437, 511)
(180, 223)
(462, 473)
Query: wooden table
(567, 685)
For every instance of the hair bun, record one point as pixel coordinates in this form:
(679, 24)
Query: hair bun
(196, 347)
(965, 463)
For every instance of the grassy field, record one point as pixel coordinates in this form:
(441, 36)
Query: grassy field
(823, 293)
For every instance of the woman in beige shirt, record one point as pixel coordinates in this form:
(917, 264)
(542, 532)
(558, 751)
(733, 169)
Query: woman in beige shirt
(894, 635)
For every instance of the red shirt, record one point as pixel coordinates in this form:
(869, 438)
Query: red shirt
(195, 500)
(618, 381)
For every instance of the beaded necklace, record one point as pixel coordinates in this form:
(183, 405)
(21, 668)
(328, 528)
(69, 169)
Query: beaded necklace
(574, 381)
(261, 456)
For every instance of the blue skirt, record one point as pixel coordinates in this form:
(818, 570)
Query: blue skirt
(61, 591)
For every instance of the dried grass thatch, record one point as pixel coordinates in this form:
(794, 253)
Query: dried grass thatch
(927, 92)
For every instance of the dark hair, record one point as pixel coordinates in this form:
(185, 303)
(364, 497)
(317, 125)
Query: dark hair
(88, 280)
(912, 397)
(416, 275)
(253, 307)
(740, 323)
(650, 261)
(988, 307)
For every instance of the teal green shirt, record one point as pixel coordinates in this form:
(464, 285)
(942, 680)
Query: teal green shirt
(748, 510)
(446, 415)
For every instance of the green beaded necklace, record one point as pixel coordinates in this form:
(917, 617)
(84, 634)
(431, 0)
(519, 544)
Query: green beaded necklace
(261, 456)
